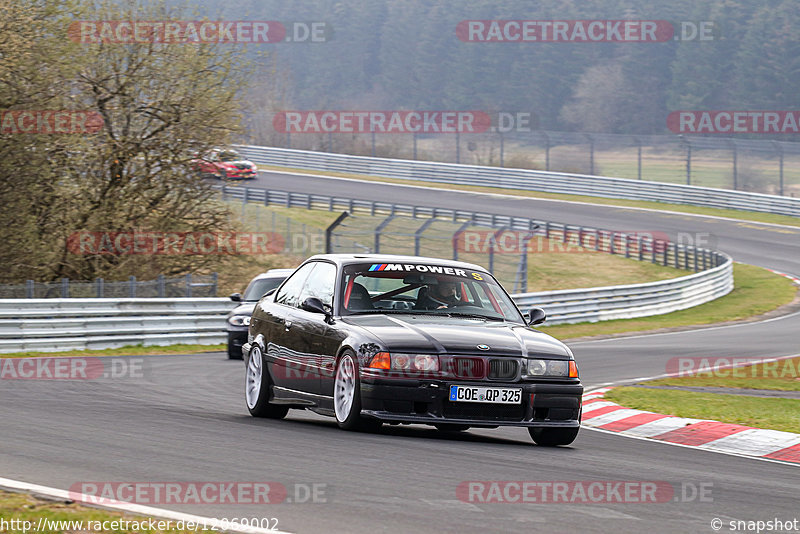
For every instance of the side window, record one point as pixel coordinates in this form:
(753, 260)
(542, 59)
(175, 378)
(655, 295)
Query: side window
(320, 284)
(290, 292)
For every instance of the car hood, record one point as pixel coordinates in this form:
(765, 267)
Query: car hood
(245, 308)
(455, 335)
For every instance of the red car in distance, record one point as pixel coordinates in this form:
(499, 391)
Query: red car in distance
(224, 164)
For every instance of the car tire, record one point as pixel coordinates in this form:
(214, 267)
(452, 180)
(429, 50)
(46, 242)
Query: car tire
(258, 388)
(553, 437)
(451, 427)
(347, 396)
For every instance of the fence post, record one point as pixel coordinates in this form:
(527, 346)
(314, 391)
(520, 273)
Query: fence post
(214, 278)
(415, 146)
(735, 164)
(378, 230)
(502, 149)
(458, 147)
(373, 143)
(591, 152)
(29, 288)
(546, 151)
(65, 288)
(638, 157)
(418, 235)
(188, 284)
(524, 261)
(161, 286)
(329, 231)
(675, 255)
(779, 150)
(99, 287)
(455, 237)
(688, 159)
(132, 287)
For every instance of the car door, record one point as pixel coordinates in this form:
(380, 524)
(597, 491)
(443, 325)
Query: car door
(277, 329)
(310, 335)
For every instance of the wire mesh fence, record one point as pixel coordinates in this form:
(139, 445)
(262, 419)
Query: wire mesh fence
(512, 256)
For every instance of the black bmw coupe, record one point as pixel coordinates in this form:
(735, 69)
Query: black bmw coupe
(374, 339)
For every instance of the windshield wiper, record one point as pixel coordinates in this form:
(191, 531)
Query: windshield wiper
(476, 316)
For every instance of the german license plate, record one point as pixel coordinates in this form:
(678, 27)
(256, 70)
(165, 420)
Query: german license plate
(484, 394)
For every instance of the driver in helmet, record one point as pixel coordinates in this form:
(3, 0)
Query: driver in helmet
(438, 296)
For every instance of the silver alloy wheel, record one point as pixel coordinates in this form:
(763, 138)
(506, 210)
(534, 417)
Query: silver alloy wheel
(344, 388)
(254, 374)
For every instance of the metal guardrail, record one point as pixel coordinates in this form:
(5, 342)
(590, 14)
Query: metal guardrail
(550, 182)
(51, 325)
(629, 301)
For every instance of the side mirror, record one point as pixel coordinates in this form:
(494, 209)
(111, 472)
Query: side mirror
(236, 297)
(536, 316)
(314, 305)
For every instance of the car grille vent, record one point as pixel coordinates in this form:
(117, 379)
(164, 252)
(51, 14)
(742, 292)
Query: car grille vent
(469, 368)
(502, 369)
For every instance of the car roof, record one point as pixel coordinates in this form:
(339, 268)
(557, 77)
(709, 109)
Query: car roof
(274, 273)
(348, 259)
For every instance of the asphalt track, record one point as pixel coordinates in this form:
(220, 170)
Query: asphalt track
(185, 420)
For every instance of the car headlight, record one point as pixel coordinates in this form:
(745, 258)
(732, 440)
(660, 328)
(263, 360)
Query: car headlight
(239, 320)
(400, 361)
(564, 368)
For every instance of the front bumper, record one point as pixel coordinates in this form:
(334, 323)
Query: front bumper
(236, 338)
(426, 402)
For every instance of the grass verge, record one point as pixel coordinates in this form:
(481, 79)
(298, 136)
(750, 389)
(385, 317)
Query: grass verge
(769, 413)
(756, 291)
(129, 350)
(663, 206)
(21, 508)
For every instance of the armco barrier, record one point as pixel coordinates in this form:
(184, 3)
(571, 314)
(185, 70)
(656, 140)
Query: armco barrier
(550, 182)
(76, 324)
(629, 301)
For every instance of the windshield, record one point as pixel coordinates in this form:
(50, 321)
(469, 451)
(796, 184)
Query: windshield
(258, 288)
(229, 155)
(424, 289)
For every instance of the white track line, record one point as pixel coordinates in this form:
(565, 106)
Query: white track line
(138, 509)
(702, 329)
